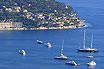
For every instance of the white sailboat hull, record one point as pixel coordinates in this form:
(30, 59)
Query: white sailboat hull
(63, 58)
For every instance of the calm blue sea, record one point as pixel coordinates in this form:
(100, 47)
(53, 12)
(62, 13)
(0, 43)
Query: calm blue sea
(41, 57)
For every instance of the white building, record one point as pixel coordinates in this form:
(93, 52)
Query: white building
(11, 25)
(17, 24)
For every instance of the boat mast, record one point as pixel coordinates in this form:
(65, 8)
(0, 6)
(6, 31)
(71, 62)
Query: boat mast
(91, 40)
(84, 39)
(62, 47)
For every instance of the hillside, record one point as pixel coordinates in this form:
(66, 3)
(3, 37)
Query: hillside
(38, 13)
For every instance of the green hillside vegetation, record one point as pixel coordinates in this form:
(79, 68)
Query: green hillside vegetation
(38, 13)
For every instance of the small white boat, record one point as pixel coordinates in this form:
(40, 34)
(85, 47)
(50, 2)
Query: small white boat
(48, 45)
(71, 63)
(89, 56)
(92, 63)
(22, 52)
(39, 42)
(62, 55)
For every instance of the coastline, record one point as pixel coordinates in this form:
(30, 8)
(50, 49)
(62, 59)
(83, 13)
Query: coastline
(44, 28)
(37, 19)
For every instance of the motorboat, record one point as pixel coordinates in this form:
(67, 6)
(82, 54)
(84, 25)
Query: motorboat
(62, 55)
(48, 45)
(71, 63)
(39, 42)
(92, 63)
(87, 49)
(22, 52)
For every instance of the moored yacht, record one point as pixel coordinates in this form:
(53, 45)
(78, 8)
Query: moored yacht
(48, 45)
(62, 55)
(88, 49)
(71, 63)
(92, 63)
(39, 42)
(22, 52)
(89, 56)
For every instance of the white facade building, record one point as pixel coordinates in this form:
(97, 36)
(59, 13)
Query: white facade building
(11, 25)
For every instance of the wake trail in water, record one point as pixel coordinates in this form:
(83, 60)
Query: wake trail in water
(86, 24)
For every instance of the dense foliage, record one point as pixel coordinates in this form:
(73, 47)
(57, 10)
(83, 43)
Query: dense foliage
(36, 13)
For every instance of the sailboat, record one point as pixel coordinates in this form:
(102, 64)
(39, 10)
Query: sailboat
(62, 55)
(87, 49)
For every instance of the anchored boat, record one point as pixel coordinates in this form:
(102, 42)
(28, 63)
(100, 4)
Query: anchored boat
(22, 52)
(62, 55)
(71, 63)
(39, 42)
(92, 63)
(87, 49)
(48, 45)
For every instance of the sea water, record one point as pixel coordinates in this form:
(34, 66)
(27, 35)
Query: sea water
(39, 56)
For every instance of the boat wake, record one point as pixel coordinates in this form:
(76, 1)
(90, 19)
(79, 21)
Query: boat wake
(86, 24)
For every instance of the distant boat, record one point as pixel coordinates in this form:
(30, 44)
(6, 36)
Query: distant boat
(87, 49)
(72, 63)
(62, 55)
(48, 45)
(22, 52)
(92, 63)
(39, 42)
(89, 56)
